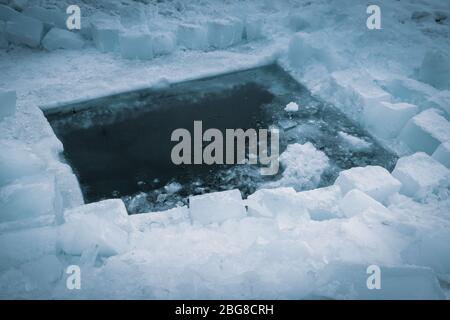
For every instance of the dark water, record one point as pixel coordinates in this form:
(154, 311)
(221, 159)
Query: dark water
(120, 146)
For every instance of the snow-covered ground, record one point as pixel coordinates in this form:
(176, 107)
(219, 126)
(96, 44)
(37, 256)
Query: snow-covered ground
(277, 243)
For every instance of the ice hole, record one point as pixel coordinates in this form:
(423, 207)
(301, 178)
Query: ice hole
(120, 146)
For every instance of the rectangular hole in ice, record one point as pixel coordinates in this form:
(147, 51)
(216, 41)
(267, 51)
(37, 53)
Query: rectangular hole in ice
(119, 146)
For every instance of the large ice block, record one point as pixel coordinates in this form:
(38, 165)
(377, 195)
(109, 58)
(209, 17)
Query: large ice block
(24, 30)
(442, 154)
(136, 46)
(421, 175)
(30, 197)
(51, 17)
(16, 161)
(192, 36)
(62, 39)
(112, 210)
(224, 33)
(216, 207)
(388, 119)
(356, 202)
(376, 181)
(105, 35)
(426, 131)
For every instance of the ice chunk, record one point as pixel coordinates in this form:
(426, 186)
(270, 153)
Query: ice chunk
(303, 166)
(224, 33)
(16, 161)
(112, 210)
(173, 187)
(105, 35)
(435, 69)
(145, 221)
(19, 247)
(216, 207)
(136, 46)
(7, 103)
(272, 202)
(43, 271)
(24, 30)
(322, 203)
(69, 187)
(253, 29)
(51, 17)
(420, 175)
(376, 181)
(84, 231)
(287, 124)
(7, 13)
(62, 39)
(163, 43)
(192, 36)
(387, 119)
(368, 93)
(291, 107)
(29, 197)
(356, 202)
(349, 281)
(432, 251)
(442, 154)
(426, 131)
(34, 222)
(353, 142)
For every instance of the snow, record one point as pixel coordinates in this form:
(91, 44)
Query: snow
(425, 131)
(7, 103)
(291, 107)
(420, 175)
(24, 30)
(442, 154)
(356, 202)
(62, 39)
(216, 207)
(302, 166)
(291, 245)
(376, 181)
